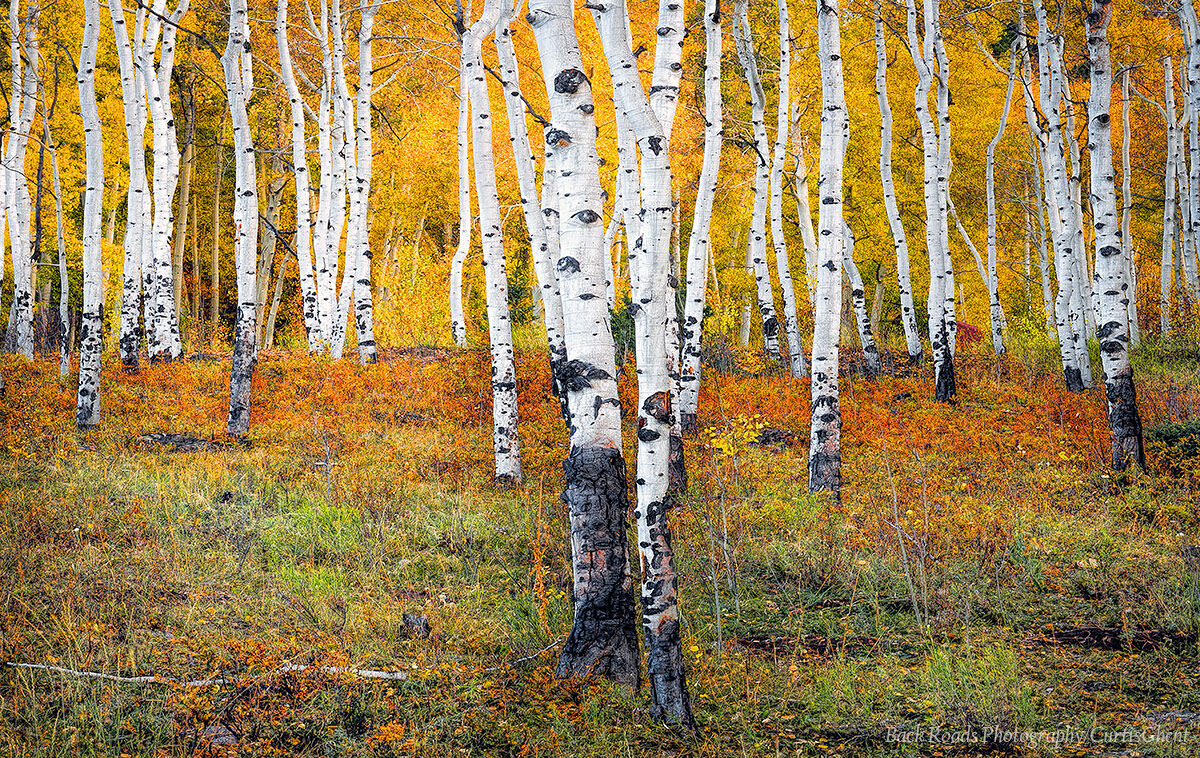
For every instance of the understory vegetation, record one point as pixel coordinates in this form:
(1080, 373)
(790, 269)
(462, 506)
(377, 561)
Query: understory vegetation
(984, 570)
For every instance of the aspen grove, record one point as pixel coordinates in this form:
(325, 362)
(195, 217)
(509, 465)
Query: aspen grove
(733, 308)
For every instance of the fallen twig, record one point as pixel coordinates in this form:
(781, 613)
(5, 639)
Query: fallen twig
(154, 679)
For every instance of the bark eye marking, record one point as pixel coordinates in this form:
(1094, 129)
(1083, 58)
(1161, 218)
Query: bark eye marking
(569, 81)
(557, 138)
(588, 216)
(567, 265)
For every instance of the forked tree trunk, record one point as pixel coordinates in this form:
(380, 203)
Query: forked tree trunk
(756, 241)
(91, 332)
(825, 446)
(791, 327)
(505, 442)
(239, 83)
(603, 639)
(670, 702)
(1111, 284)
(908, 314)
(699, 256)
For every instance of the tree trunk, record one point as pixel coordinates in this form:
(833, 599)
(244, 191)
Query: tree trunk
(364, 310)
(185, 194)
(543, 246)
(995, 310)
(603, 638)
(757, 239)
(670, 702)
(304, 230)
(506, 442)
(1111, 284)
(1168, 238)
(791, 327)
(858, 296)
(458, 324)
(91, 332)
(23, 44)
(908, 314)
(214, 282)
(825, 446)
(699, 256)
(1131, 276)
(239, 83)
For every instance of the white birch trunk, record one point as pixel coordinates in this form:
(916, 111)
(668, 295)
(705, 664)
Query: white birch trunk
(24, 59)
(1111, 285)
(364, 315)
(783, 268)
(91, 332)
(505, 440)
(908, 314)
(236, 65)
(935, 51)
(825, 448)
(660, 612)
(699, 255)
(756, 241)
(1191, 31)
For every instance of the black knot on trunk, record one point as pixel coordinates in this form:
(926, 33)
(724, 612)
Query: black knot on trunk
(578, 375)
(587, 108)
(557, 138)
(658, 406)
(568, 265)
(569, 81)
(587, 216)
(655, 144)
(771, 327)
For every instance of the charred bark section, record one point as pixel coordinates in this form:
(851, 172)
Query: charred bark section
(1124, 421)
(944, 388)
(676, 464)
(1074, 379)
(687, 423)
(669, 700)
(603, 639)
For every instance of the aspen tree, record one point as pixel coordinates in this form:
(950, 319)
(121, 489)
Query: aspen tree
(992, 280)
(1135, 332)
(1112, 287)
(603, 638)
(791, 327)
(24, 59)
(858, 297)
(542, 246)
(458, 324)
(308, 287)
(236, 65)
(1168, 238)
(162, 326)
(699, 255)
(908, 314)
(660, 612)
(91, 337)
(506, 443)
(825, 448)
(756, 241)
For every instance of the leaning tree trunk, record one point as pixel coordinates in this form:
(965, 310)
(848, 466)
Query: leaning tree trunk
(603, 638)
(91, 332)
(995, 310)
(699, 243)
(825, 443)
(757, 239)
(236, 64)
(308, 288)
(660, 611)
(783, 268)
(505, 441)
(908, 314)
(542, 248)
(1112, 287)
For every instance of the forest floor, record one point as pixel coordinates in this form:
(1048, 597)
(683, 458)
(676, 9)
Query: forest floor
(984, 577)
